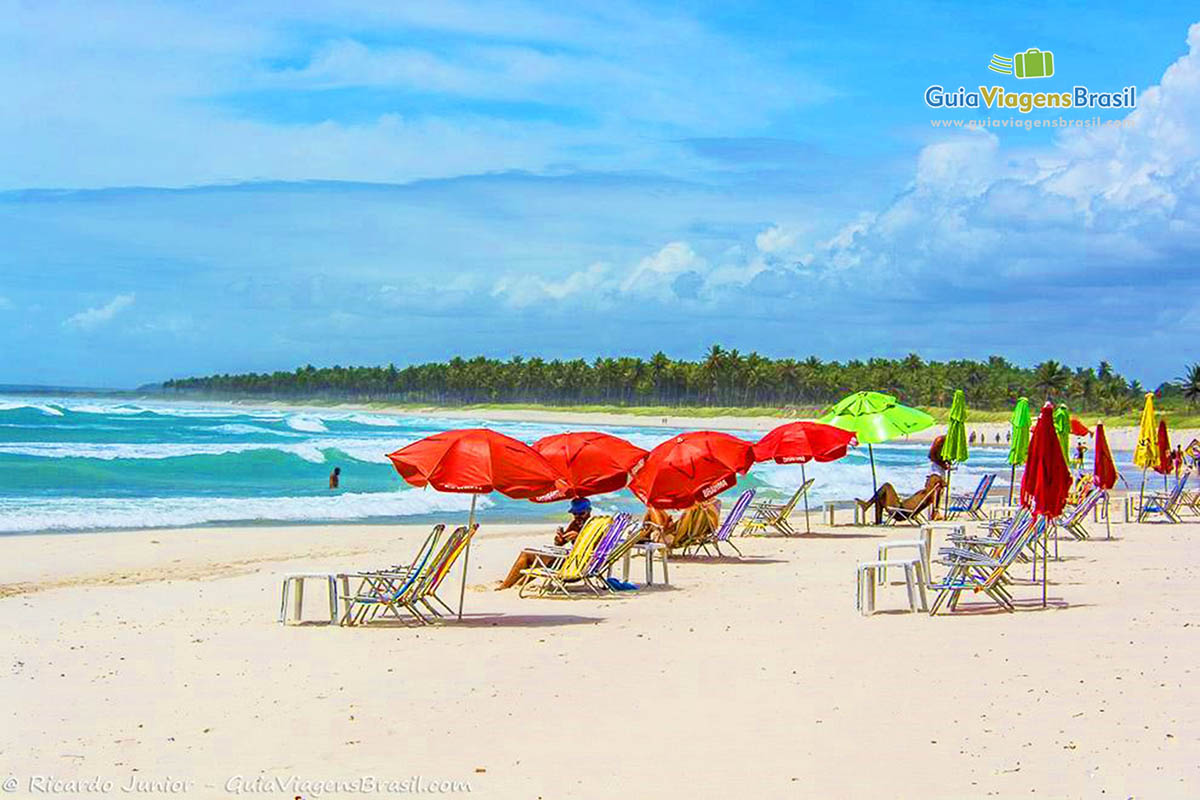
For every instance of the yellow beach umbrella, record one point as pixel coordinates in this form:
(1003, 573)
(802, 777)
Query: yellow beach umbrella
(1145, 455)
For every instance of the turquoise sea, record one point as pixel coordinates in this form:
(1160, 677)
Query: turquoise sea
(72, 464)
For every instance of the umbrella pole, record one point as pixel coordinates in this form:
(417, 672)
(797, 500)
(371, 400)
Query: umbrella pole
(1012, 481)
(1045, 560)
(874, 481)
(949, 470)
(804, 480)
(1107, 518)
(1141, 496)
(462, 589)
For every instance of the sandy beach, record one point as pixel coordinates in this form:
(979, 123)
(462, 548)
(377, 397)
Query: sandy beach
(157, 656)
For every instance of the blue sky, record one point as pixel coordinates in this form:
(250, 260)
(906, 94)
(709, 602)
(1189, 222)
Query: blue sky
(188, 189)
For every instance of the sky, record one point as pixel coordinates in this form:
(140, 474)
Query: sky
(191, 188)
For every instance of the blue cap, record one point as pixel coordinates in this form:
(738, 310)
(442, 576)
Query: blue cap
(580, 505)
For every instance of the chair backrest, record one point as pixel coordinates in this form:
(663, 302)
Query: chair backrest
(440, 568)
(429, 543)
(981, 491)
(608, 542)
(790, 505)
(422, 565)
(577, 560)
(1177, 492)
(1084, 508)
(734, 516)
(1028, 531)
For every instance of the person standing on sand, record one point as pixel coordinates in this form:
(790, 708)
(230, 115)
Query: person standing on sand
(335, 478)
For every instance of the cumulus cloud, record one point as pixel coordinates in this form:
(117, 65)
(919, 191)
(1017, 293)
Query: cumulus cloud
(1097, 205)
(100, 315)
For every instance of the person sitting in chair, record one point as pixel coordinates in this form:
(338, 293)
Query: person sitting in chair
(581, 510)
(887, 497)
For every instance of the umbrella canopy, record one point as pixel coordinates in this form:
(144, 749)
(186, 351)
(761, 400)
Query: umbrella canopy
(691, 467)
(1166, 456)
(802, 441)
(1078, 428)
(1062, 426)
(954, 448)
(479, 461)
(876, 417)
(1145, 455)
(1018, 446)
(591, 462)
(1047, 477)
(1105, 469)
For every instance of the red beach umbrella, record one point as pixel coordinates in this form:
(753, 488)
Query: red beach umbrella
(1166, 457)
(1104, 472)
(1078, 428)
(803, 441)
(478, 461)
(1105, 469)
(591, 462)
(1047, 478)
(691, 467)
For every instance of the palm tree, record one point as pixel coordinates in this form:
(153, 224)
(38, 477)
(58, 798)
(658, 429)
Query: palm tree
(1190, 383)
(1050, 377)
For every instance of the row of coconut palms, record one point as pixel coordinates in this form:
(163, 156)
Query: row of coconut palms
(722, 378)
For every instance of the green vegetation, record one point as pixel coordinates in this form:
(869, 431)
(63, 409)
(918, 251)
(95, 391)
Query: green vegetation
(724, 382)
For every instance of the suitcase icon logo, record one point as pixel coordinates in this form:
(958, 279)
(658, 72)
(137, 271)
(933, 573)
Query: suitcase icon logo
(1033, 63)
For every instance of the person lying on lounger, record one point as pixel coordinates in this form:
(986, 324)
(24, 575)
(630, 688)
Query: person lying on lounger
(581, 510)
(887, 497)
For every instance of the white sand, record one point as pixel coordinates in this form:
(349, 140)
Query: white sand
(160, 652)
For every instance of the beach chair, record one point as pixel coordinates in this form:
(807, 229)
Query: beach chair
(971, 504)
(723, 533)
(425, 592)
(1073, 520)
(384, 592)
(430, 541)
(1165, 503)
(620, 536)
(897, 515)
(765, 514)
(569, 568)
(972, 569)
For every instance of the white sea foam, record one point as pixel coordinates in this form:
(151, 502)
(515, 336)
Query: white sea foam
(309, 451)
(45, 408)
(374, 420)
(306, 423)
(86, 513)
(242, 429)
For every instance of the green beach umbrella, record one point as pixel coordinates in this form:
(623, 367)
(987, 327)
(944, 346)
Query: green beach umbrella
(954, 448)
(875, 417)
(1018, 446)
(1062, 426)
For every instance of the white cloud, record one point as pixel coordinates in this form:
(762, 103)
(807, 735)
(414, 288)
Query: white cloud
(1094, 205)
(100, 315)
(776, 239)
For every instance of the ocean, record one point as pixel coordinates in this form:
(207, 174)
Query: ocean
(75, 464)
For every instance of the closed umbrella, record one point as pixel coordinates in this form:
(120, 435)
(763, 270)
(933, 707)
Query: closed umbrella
(1145, 455)
(1166, 457)
(1047, 479)
(1018, 445)
(478, 461)
(875, 417)
(1062, 426)
(1104, 472)
(590, 462)
(954, 448)
(803, 441)
(691, 467)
